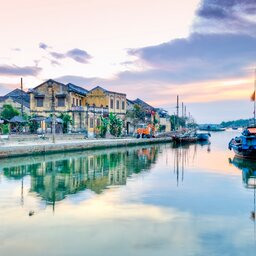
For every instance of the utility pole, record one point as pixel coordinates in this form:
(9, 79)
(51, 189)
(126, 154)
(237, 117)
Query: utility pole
(21, 96)
(177, 112)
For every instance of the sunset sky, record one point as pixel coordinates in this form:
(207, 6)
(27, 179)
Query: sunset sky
(203, 50)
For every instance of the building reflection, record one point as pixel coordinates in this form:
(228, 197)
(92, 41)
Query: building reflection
(248, 169)
(54, 177)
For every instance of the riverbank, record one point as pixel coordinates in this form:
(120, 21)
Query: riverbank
(25, 148)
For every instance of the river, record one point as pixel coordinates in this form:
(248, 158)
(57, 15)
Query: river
(147, 200)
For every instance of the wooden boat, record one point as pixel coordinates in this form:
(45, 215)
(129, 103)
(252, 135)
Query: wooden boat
(184, 138)
(244, 146)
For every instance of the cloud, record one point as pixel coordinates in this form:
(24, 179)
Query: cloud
(43, 46)
(57, 55)
(199, 57)
(80, 80)
(75, 54)
(233, 16)
(6, 70)
(78, 55)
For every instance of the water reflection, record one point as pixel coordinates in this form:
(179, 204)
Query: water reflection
(55, 176)
(248, 169)
(183, 154)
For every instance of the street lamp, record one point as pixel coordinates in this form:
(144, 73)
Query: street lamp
(50, 86)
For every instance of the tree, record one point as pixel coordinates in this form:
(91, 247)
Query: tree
(137, 115)
(4, 128)
(115, 125)
(9, 112)
(67, 120)
(103, 128)
(177, 122)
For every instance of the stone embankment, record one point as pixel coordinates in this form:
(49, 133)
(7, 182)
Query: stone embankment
(10, 148)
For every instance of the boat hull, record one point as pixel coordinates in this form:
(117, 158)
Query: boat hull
(203, 137)
(246, 154)
(178, 139)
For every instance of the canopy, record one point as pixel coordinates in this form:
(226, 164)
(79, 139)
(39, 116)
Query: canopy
(49, 120)
(17, 119)
(37, 119)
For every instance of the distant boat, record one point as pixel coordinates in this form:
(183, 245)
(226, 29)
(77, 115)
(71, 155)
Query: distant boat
(203, 136)
(244, 146)
(212, 128)
(234, 128)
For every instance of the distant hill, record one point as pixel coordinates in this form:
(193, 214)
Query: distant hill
(237, 123)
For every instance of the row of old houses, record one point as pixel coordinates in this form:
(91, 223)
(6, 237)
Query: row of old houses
(86, 107)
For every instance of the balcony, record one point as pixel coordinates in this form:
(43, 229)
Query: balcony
(77, 108)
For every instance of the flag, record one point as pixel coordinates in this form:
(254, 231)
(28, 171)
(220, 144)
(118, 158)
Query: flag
(253, 96)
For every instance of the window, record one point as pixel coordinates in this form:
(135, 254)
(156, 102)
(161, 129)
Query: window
(123, 106)
(73, 101)
(80, 102)
(117, 104)
(61, 102)
(91, 122)
(111, 103)
(76, 102)
(39, 102)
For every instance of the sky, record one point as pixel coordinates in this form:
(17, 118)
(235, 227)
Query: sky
(202, 50)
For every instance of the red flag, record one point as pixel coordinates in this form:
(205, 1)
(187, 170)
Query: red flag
(253, 96)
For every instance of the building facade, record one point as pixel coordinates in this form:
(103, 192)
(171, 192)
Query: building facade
(85, 107)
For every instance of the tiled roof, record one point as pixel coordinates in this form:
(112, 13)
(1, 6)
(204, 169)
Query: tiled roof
(143, 104)
(106, 91)
(16, 96)
(77, 89)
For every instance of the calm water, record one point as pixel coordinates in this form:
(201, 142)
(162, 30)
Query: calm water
(151, 200)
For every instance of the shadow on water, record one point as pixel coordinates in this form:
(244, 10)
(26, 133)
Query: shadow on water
(54, 177)
(248, 168)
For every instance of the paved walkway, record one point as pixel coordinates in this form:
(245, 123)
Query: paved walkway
(11, 148)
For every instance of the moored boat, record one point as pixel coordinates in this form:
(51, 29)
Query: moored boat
(185, 137)
(203, 136)
(244, 146)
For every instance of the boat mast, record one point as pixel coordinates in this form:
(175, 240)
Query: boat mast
(21, 92)
(254, 98)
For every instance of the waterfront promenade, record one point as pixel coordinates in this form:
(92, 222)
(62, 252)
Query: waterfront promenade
(10, 148)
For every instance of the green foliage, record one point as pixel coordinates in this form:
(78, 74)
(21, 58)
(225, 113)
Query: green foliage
(67, 120)
(237, 123)
(137, 113)
(33, 125)
(4, 128)
(176, 123)
(9, 112)
(103, 128)
(115, 125)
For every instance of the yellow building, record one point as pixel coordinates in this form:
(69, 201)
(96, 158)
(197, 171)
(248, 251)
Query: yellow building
(85, 107)
(52, 96)
(100, 103)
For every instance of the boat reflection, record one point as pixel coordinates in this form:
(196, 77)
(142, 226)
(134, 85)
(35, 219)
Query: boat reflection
(248, 169)
(53, 177)
(183, 153)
